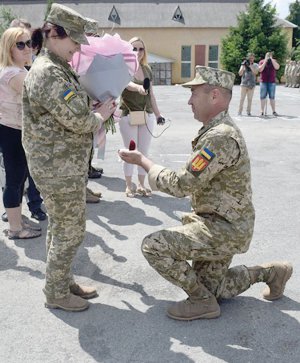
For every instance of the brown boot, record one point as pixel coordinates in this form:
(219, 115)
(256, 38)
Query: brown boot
(282, 271)
(191, 309)
(91, 198)
(67, 303)
(84, 292)
(96, 194)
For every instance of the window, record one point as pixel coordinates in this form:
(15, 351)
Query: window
(186, 61)
(213, 56)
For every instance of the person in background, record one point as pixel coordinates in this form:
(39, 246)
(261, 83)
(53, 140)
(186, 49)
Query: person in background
(15, 54)
(248, 71)
(267, 68)
(217, 178)
(34, 199)
(58, 132)
(136, 98)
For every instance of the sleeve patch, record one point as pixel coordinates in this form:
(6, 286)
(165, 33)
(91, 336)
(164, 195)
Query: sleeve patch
(202, 160)
(209, 155)
(68, 95)
(199, 163)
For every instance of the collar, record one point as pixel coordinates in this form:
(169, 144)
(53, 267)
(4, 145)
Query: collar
(213, 122)
(58, 60)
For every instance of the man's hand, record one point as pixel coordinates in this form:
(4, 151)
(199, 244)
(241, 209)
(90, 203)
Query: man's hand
(131, 157)
(135, 157)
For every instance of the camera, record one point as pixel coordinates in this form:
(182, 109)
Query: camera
(160, 120)
(269, 61)
(246, 63)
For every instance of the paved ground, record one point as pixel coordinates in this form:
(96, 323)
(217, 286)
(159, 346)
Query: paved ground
(127, 322)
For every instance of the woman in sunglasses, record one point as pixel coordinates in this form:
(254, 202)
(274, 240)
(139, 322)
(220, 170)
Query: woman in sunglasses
(58, 132)
(138, 96)
(15, 54)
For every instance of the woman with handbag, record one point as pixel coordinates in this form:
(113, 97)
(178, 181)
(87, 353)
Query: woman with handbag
(139, 114)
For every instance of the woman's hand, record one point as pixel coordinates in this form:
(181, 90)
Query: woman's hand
(106, 109)
(141, 90)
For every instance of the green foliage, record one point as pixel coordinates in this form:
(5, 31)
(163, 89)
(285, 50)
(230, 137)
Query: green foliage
(6, 17)
(257, 33)
(296, 51)
(294, 17)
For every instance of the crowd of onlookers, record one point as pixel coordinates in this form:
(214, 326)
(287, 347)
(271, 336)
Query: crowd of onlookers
(292, 74)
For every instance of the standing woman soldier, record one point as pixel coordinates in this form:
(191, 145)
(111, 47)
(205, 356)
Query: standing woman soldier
(58, 130)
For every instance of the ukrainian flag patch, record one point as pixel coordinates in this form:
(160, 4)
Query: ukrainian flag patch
(207, 154)
(202, 160)
(68, 94)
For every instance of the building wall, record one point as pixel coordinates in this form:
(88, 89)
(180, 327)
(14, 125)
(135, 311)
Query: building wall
(167, 43)
(163, 41)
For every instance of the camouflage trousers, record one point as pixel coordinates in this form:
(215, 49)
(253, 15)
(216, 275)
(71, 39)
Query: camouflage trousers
(65, 201)
(210, 244)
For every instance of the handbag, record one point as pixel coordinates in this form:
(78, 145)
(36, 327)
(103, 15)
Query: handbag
(137, 118)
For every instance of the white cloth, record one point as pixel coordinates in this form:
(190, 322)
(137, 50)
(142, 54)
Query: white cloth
(140, 135)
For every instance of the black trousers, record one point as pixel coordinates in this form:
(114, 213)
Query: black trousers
(15, 165)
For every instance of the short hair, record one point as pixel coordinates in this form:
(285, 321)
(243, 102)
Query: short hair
(250, 55)
(227, 93)
(20, 23)
(144, 60)
(7, 42)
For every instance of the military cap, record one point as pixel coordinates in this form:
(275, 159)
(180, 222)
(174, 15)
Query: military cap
(73, 23)
(211, 76)
(91, 26)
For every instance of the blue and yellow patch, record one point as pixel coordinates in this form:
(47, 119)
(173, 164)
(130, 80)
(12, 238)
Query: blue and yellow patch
(68, 95)
(207, 153)
(202, 160)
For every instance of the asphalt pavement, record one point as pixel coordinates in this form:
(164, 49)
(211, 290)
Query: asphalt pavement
(127, 322)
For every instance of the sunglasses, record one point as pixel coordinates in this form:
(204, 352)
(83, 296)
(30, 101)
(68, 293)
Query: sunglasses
(138, 49)
(21, 45)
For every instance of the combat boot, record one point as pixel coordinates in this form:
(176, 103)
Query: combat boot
(96, 194)
(68, 303)
(91, 198)
(194, 308)
(84, 292)
(281, 273)
(275, 275)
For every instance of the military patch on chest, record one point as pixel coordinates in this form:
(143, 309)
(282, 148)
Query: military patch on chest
(201, 160)
(68, 95)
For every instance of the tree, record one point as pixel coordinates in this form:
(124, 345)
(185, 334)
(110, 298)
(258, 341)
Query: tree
(257, 33)
(294, 17)
(6, 17)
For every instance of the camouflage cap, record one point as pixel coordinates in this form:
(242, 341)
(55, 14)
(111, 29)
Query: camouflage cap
(91, 26)
(73, 23)
(211, 76)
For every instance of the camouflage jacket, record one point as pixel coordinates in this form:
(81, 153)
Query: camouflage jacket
(57, 120)
(217, 175)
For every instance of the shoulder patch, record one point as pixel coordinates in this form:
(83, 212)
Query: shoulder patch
(202, 160)
(68, 95)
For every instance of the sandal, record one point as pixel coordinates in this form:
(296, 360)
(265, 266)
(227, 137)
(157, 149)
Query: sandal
(24, 233)
(27, 224)
(144, 192)
(130, 193)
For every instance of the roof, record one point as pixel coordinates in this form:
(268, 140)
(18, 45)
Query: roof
(285, 23)
(147, 14)
(154, 58)
(195, 14)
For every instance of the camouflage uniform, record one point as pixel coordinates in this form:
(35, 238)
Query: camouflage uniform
(217, 179)
(58, 127)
